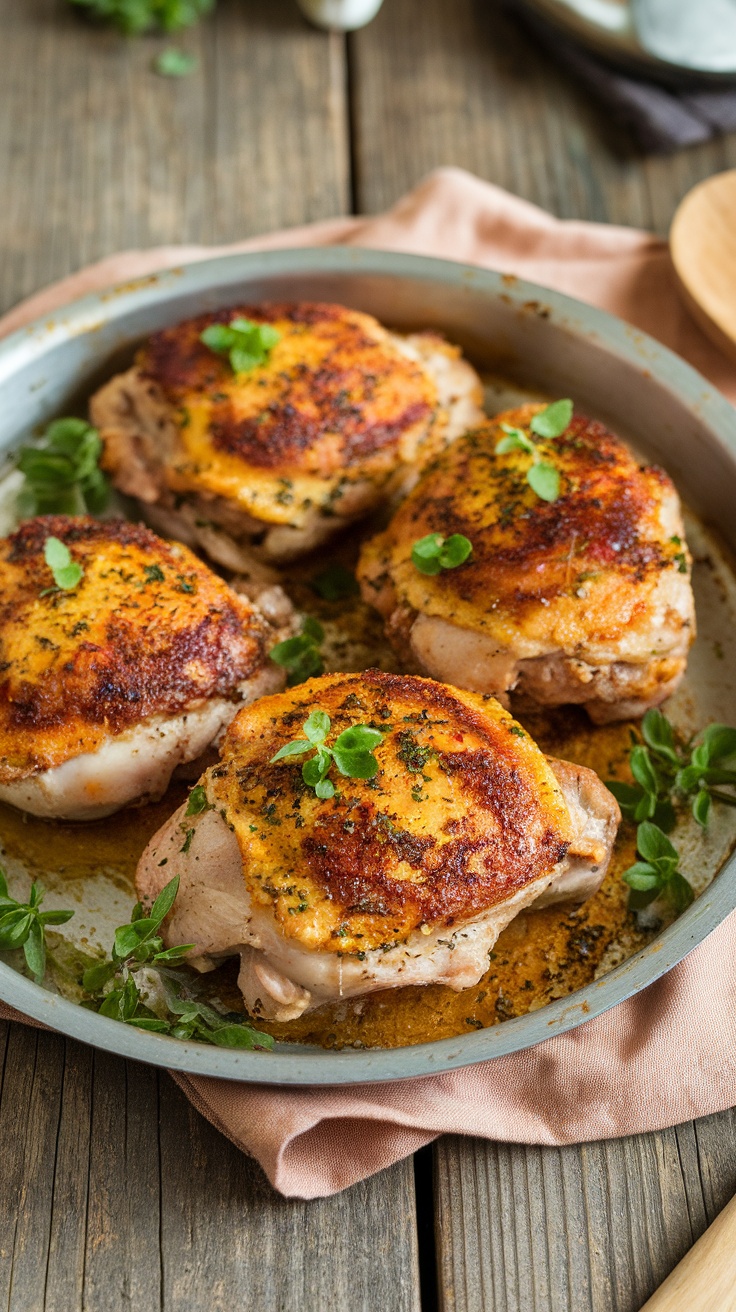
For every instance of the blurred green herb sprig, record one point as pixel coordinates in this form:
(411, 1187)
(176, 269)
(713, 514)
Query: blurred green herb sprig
(134, 17)
(62, 473)
(300, 656)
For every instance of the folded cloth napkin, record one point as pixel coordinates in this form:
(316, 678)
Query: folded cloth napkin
(662, 1057)
(659, 118)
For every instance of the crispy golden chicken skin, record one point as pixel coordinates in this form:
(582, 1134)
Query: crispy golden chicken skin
(407, 877)
(280, 457)
(583, 599)
(106, 687)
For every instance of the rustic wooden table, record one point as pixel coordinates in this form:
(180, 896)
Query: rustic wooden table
(114, 1193)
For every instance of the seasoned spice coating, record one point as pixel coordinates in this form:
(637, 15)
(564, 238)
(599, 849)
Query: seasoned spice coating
(463, 812)
(148, 631)
(331, 421)
(404, 877)
(583, 598)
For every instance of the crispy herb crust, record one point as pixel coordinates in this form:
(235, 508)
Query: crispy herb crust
(148, 630)
(334, 392)
(533, 561)
(463, 811)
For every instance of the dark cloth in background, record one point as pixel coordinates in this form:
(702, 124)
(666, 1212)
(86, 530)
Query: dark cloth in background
(660, 119)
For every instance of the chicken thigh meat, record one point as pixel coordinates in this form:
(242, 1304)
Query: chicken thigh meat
(407, 877)
(585, 598)
(107, 686)
(274, 460)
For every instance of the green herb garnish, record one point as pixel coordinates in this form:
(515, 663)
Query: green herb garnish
(175, 63)
(140, 985)
(62, 474)
(23, 925)
(301, 655)
(335, 583)
(551, 422)
(246, 344)
(135, 16)
(657, 874)
(352, 753)
(668, 772)
(434, 553)
(67, 572)
(198, 801)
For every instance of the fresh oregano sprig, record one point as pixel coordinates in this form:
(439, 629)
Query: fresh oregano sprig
(66, 571)
(23, 925)
(657, 874)
(140, 971)
(245, 343)
(335, 583)
(542, 477)
(134, 17)
(434, 553)
(669, 772)
(351, 752)
(62, 473)
(300, 656)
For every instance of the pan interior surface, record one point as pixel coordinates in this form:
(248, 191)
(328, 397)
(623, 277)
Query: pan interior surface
(528, 342)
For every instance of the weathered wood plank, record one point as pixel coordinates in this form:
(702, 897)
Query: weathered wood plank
(122, 1268)
(595, 1228)
(116, 1196)
(464, 84)
(98, 153)
(229, 1241)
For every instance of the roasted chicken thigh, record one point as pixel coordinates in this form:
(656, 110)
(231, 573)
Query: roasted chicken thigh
(584, 598)
(276, 458)
(106, 686)
(405, 877)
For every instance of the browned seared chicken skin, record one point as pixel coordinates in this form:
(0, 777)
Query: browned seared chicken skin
(107, 687)
(275, 460)
(583, 599)
(405, 878)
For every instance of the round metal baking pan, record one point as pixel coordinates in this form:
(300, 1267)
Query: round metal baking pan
(539, 338)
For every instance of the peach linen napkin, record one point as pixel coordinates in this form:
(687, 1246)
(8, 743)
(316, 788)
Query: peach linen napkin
(660, 1058)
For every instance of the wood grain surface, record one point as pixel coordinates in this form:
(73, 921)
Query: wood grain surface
(116, 1196)
(436, 83)
(114, 1193)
